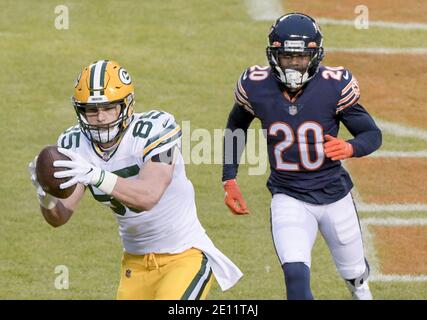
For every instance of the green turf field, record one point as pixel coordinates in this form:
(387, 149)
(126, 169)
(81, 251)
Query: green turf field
(184, 57)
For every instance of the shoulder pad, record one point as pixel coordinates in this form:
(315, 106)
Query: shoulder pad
(346, 85)
(70, 138)
(159, 131)
(246, 80)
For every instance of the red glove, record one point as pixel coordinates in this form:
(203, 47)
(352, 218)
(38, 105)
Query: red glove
(337, 149)
(234, 199)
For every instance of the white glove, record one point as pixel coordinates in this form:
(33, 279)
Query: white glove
(45, 199)
(81, 171)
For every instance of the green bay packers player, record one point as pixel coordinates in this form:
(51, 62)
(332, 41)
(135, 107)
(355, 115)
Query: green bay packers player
(132, 163)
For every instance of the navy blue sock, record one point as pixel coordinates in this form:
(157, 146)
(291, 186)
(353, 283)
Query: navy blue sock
(297, 278)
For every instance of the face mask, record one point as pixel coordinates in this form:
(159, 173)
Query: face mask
(104, 135)
(294, 79)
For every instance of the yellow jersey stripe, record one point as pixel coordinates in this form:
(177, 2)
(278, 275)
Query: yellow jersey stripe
(161, 139)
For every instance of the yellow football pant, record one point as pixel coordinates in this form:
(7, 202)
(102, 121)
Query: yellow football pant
(185, 275)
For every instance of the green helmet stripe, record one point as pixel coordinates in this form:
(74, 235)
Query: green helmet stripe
(102, 75)
(92, 75)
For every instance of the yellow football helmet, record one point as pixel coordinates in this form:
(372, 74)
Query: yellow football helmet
(104, 83)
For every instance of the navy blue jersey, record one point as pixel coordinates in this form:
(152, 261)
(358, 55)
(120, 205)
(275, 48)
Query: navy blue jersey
(296, 128)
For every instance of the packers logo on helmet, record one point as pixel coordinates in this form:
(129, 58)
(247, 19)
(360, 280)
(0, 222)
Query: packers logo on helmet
(125, 76)
(104, 84)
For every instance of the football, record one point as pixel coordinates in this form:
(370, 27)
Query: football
(45, 170)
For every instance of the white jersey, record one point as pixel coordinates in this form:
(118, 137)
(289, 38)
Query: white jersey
(171, 226)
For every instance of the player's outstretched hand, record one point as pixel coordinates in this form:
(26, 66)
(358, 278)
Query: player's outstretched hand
(80, 170)
(45, 199)
(234, 199)
(337, 149)
(33, 176)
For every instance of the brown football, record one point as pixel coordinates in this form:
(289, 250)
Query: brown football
(45, 170)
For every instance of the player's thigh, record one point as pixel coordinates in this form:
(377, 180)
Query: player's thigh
(293, 228)
(187, 277)
(340, 227)
(134, 283)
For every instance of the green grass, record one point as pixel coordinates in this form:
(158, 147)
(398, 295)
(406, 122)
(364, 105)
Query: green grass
(184, 58)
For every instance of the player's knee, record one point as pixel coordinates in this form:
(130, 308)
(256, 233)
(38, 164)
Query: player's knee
(297, 278)
(359, 280)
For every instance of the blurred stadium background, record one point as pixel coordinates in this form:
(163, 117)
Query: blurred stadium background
(184, 57)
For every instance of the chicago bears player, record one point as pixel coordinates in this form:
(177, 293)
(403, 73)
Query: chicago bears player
(301, 104)
(132, 163)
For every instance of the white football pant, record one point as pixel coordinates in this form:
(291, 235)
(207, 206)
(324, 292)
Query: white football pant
(295, 224)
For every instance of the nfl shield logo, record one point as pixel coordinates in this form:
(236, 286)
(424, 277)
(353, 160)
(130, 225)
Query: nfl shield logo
(105, 156)
(293, 110)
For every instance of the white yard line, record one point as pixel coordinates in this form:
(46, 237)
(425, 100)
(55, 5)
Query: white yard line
(378, 50)
(375, 24)
(264, 10)
(398, 207)
(269, 10)
(399, 154)
(371, 253)
(402, 131)
(395, 221)
(397, 277)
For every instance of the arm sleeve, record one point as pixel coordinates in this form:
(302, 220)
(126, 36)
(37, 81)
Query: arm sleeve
(367, 135)
(235, 135)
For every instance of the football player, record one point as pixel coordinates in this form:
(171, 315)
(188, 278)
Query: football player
(131, 162)
(301, 104)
